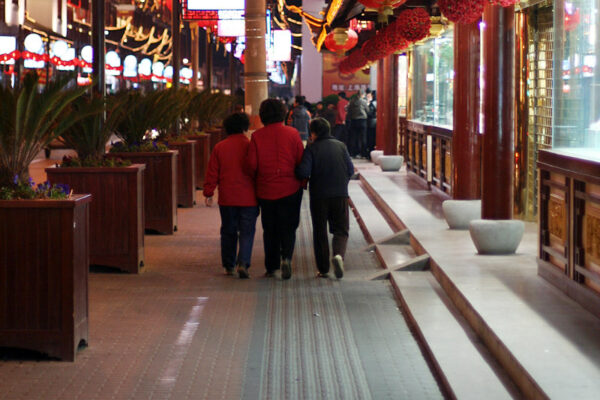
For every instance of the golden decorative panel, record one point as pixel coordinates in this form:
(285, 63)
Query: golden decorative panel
(557, 218)
(424, 155)
(591, 234)
(448, 166)
(411, 154)
(438, 162)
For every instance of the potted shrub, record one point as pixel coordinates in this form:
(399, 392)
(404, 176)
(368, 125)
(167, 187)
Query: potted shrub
(44, 233)
(206, 109)
(144, 113)
(117, 212)
(178, 101)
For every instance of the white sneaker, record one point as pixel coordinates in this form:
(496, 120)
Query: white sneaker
(338, 266)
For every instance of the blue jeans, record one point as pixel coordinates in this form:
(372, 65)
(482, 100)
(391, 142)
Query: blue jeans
(237, 224)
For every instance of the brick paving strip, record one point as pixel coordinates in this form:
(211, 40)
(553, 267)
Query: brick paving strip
(183, 330)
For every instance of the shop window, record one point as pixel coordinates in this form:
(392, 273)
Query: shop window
(432, 81)
(576, 107)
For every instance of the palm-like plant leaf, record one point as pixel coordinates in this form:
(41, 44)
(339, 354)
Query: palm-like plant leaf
(30, 120)
(89, 135)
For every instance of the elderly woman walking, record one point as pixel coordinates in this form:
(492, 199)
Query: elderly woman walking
(275, 151)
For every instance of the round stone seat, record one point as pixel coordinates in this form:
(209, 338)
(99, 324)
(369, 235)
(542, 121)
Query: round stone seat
(459, 213)
(492, 236)
(391, 163)
(375, 155)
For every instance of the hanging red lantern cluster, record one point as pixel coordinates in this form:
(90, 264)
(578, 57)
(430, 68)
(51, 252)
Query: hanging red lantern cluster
(341, 40)
(227, 39)
(375, 48)
(462, 11)
(385, 8)
(572, 20)
(468, 11)
(413, 24)
(354, 62)
(27, 55)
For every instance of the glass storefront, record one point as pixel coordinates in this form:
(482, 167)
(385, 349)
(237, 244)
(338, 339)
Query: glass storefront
(432, 81)
(576, 107)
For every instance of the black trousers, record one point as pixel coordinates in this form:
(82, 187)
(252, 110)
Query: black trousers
(280, 219)
(335, 212)
(358, 138)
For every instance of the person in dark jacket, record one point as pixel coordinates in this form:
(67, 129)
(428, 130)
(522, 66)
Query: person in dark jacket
(358, 110)
(299, 117)
(237, 198)
(328, 167)
(371, 121)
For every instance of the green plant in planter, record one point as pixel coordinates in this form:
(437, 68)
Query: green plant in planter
(171, 112)
(209, 109)
(89, 136)
(29, 120)
(144, 112)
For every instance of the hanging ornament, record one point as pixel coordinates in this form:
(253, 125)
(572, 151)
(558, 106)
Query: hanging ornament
(354, 62)
(384, 8)
(340, 40)
(375, 48)
(504, 3)
(462, 11)
(414, 24)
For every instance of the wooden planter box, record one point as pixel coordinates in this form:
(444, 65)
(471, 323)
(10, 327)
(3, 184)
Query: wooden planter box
(116, 214)
(44, 262)
(202, 150)
(160, 190)
(186, 174)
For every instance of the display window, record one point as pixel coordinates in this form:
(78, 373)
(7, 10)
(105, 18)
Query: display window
(576, 105)
(432, 81)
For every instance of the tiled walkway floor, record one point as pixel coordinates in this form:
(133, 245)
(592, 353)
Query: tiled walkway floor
(183, 330)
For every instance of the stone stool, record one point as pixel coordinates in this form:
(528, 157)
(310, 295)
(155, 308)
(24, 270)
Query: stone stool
(493, 236)
(375, 154)
(391, 163)
(459, 213)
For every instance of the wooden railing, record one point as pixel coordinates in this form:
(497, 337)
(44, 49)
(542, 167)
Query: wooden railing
(569, 227)
(433, 143)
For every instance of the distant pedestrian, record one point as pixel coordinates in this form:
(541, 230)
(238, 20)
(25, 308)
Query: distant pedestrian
(275, 151)
(237, 200)
(299, 117)
(340, 131)
(328, 167)
(371, 121)
(358, 111)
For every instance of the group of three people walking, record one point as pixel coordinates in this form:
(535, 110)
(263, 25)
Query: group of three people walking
(265, 175)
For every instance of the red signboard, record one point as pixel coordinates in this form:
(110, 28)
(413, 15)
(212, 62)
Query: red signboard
(334, 81)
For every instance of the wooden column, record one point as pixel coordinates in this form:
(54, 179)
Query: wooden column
(175, 22)
(194, 29)
(255, 67)
(498, 104)
(381, 93)
(466, 145)
(98, 46)
(390, 77)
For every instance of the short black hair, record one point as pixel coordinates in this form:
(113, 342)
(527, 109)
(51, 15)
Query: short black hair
(320, 127)
(236, 123)
(342, 95)
(272, 111)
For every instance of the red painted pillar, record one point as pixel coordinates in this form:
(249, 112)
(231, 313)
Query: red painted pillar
(390, 146)
(381, 93)
(466, 143)
(498, 106)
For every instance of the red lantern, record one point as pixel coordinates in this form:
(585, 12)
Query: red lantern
(354, 62)
(462, 11)
(505, 3)
(414, 24)
(227, 39)
(375, 48)
(384, 7)
(340, 40)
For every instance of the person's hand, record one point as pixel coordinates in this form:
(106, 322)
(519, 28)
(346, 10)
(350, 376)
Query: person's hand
(208, 201)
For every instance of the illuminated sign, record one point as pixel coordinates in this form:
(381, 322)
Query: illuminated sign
(197, 9)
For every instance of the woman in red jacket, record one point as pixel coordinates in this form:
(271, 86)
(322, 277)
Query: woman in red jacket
(275, 151)
(237, 199)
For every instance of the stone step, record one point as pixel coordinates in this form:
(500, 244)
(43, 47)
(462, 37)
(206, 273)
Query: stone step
(372, 223)
(465, 367)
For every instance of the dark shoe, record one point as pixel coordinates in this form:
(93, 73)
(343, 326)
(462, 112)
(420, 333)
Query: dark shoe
(228, 271)
(338, 266)
(243, 272)
(286, 269)
(269, 274)
(322, 275)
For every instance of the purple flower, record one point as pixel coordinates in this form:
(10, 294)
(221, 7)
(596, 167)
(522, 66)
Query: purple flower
(16, 179)
(31, 182)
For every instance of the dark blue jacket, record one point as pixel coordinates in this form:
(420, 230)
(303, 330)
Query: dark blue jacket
(328, 167)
